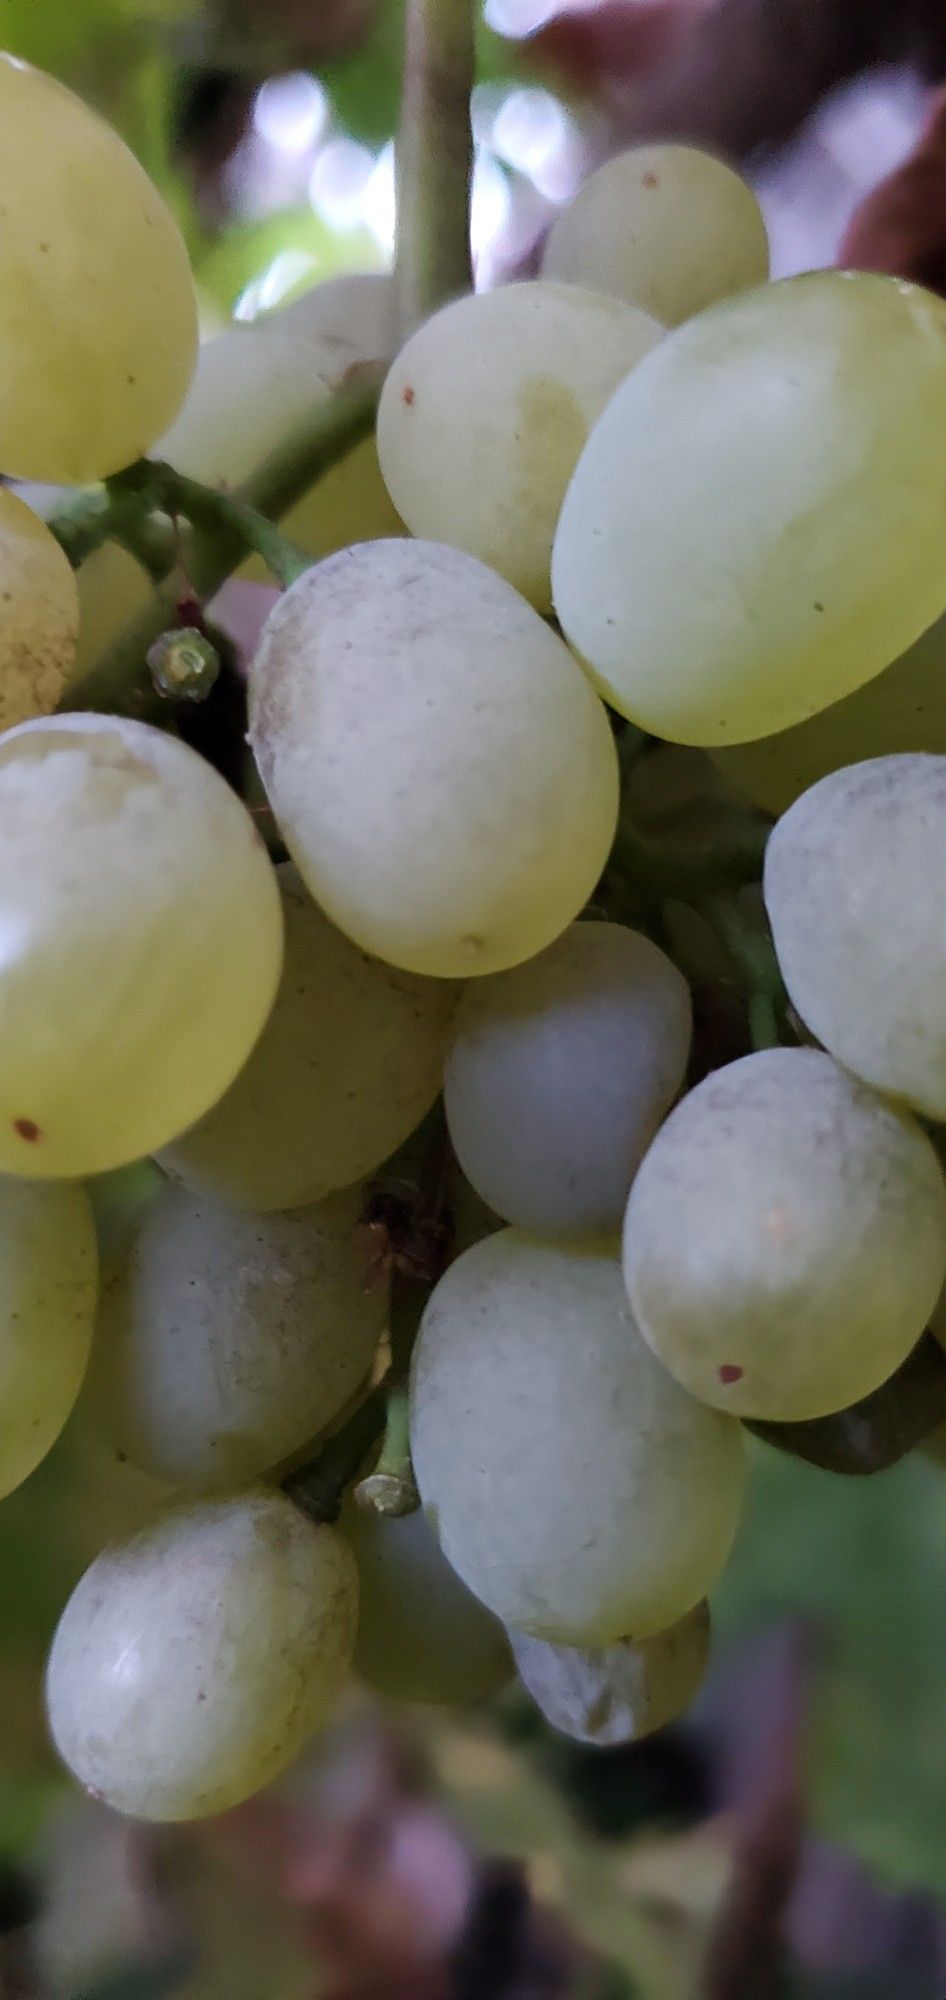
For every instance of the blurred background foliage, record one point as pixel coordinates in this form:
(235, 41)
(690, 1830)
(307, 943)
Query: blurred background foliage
(268, 124)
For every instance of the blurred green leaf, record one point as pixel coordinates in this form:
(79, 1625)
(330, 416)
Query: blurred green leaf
(246, 250)
(865, 1560)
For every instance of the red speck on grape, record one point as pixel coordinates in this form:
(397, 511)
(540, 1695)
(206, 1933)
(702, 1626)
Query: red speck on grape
(25, 1129)
(649, 180)
(730, 1373)
(407, 395)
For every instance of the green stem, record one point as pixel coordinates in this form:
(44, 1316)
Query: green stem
(120, 682)
(751, 949)
(434, 157)
(319, 1487)
(214, 512)
(390, 1488)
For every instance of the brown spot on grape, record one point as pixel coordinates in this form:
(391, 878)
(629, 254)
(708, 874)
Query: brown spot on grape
(26, 1129)
(407, 394)
(650, 180)
(730, 1373)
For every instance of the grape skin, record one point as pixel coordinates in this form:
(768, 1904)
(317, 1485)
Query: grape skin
(559, 1073)
(668, 227)
(617, 1694)
(756, 524)
(422, 1636)
(48, 1286)
(357, 310)
(40, 616)
(573, 1486)
(444, 777)
(192, 1663)
(98, 316)
(227, 1341)
(903, 709)
(855, 888)
(485, 411)
(348, 1063)
(143, 938)
(252, 391)
(785, 1238)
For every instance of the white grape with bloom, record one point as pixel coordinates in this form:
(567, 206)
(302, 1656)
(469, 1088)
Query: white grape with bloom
(355, 310)
(422, 1636)
(785, 1238)
(559, 1073)
(226, 1341)
(348, 1063)
(756, 525)
(903, 709)
(48, 1288)
(855, 888)
(142, 941)
(193, 1663)
(443, 775)
(98, 316)
(253, 390)
(609, 1695)
(576, 1489)
(39, 615)
(486, 409)
(668, 227)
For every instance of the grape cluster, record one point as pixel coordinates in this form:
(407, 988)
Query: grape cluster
(649, 479)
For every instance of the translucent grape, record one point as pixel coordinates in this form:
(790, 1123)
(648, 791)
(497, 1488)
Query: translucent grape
(252, 390)
(226, 1341)
(756, 524)
(354, 310)
(98, 318)
(785, 1238)
(559, 1074)
(443, 775)
(192, 1664)
(40, 615)
(422, 1636)
(486, 409)
(666, 226)
(855, 887)
(140, 942)
(904, 708)
(348, 1063)
(574, 1487)
(616, 1694)
(48, 1283)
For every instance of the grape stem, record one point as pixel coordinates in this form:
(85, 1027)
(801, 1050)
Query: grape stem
(161, 488)
(751, 949)
(390, 1488)
(319, 1487)
(434, 158)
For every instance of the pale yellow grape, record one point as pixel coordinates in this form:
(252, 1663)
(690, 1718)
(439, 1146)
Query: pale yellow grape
(113, 587)
(193, 1663)
(620, 1693)
(668, 227)
(348, 1063)
(227, 1340)
(904, 708)
(576, 1489)
(485, 411)
(98, 317)
(253, 389)
(355, 310)
(785, 1238)
(422, 1636)
(855, 888)
(140, 942)
(39, 615)
(48, 1283)
(444, 777)
(756, 525)
(350, 504)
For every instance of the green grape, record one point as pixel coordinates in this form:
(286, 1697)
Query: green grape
(193, 1663)
(252, 390)
(755, 527)
(98, 318)
(226, 1341)
(349, 504)
(348, 1063)
(904, 708)
(576, 1489)
(355, 310)
(668, 227)
(141, 942)
(422, 1636)
(39, 614)
(442, 773)
(785, 1238)
(48, 1283)
(855, 888)
(559, 1074)
(486, 409)
(621, 1693)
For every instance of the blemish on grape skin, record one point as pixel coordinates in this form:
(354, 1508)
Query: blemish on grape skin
(407, 395)
(26, 1129)
(730, 1373)
(650, 179)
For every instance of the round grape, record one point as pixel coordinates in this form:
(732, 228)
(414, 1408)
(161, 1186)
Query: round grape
(422, 1636)
(616, 1694)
